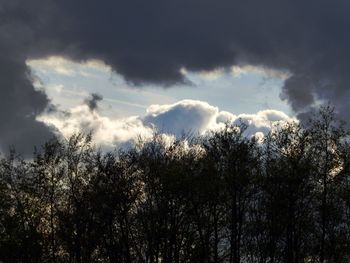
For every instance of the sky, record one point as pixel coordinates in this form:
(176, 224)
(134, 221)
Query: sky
(121, 69)
(95, 99)
(242, 90)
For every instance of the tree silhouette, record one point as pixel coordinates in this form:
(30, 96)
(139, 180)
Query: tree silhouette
(223, 197)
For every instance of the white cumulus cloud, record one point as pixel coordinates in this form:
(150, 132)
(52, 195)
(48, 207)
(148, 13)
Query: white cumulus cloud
(181, 118)
(186, 116)
(107, 133)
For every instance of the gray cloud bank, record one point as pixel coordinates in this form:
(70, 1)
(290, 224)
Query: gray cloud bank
(151, 41)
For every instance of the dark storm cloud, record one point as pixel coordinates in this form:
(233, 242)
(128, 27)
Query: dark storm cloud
(150, 41)
(20, 103)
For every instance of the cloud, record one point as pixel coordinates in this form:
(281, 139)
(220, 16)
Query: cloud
(212, 74)
(238, 71)
(305, 43)
(107, 133)
(186, 116)
(198, 117)
(20, 103)
(262, 122)
(172, 120)
(151, 41)
(66, 67)
(93, 100)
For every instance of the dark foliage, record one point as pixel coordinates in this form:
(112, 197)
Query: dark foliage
(221, 198)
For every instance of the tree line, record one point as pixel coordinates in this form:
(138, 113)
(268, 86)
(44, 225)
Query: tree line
(216, 198)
